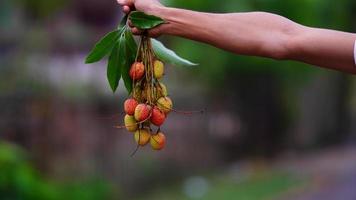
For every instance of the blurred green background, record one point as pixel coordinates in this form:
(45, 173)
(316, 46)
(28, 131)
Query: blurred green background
(271, 130)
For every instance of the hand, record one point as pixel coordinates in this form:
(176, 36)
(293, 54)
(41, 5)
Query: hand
(146, 6)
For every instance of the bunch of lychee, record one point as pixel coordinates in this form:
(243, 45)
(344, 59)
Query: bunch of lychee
(148, 105)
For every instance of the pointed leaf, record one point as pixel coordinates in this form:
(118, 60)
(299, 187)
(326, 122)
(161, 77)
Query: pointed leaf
(130, 42)
(169, 56)
(103, 47)
(130, 49)
(114, 69)
(144, 21)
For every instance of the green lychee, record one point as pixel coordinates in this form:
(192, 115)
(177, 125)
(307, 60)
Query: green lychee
(130, 123)
(142, 136)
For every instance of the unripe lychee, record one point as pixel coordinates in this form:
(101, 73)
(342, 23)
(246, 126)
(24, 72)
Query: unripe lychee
(158, 69)
(142, 112)
(158, 141)
(130, 123)
(157, 117)
(142, 136)
(137, 70)
(130, 105)
(164, 89)
(161, 90)
(165, 104)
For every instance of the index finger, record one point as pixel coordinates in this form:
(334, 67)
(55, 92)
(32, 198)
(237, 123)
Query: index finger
(129, 3)
(126, 9)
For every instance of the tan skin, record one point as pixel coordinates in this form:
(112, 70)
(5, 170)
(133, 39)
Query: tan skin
(253, 33)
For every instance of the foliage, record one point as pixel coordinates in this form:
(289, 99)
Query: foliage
(167, 55)
(143, 21)
(122, 48)
(19, 180)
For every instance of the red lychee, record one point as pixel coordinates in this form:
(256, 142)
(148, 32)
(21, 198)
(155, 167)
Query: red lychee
(158, 141)
(142, 112)
(130, 105)
(158, 117)
(137, 70)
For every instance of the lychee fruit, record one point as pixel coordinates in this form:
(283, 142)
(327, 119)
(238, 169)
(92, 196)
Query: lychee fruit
(158, 117)
(158, 69)
(130, 105)
(142, 112)
(158, 141)
(137, 70)
(165, 104)
(130, 123)
(142, 136)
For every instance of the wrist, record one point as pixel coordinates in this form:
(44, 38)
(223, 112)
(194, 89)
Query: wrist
(155, 9)
(171, 16)
(164, 13)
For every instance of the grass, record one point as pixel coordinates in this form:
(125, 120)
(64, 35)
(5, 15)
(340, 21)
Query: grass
(259, 186)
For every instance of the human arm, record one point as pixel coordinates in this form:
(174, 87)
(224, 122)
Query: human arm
(256, 34)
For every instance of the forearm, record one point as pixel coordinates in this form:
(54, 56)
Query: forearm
(253, 33)
(263, 34)
(325, 48)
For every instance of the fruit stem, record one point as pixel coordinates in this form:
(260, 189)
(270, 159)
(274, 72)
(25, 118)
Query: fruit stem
(135, 151)
(184, 112)
(139, 123)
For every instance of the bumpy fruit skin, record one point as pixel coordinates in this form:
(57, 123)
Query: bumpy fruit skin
(165, 104)
(130, 123)
(164, 89)
(130, 105)
(137, 70)
(158, 117)
(142, 136)
(158, 141)
(158, 69)
(142, 112)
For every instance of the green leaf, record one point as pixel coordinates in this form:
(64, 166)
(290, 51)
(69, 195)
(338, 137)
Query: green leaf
(114, 69)
(144, 21)
(103, 47)
(130, 42)
(131, 50)
(169, 56)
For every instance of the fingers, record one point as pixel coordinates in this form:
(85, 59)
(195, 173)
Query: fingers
(125, 2)
(126, 9)
(136, 31)
(127, 5)
(155, 32)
